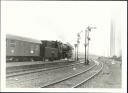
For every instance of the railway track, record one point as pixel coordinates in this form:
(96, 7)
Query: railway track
(33, 67)
(39, 78)
(87, 79)
(76, 80)
(35, 70)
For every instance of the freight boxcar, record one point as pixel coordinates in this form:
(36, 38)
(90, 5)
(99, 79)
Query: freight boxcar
(22, 49)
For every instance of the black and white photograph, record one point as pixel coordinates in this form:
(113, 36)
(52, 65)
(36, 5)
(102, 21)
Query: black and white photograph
(64, 44)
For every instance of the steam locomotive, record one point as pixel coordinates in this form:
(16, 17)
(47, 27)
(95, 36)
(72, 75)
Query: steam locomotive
(19, 49)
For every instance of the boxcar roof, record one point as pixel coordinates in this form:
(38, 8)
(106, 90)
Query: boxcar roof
(14, 37)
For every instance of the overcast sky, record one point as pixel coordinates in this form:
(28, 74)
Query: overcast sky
(62, 21)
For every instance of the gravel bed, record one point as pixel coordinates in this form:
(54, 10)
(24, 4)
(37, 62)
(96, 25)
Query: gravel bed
(41, 78)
